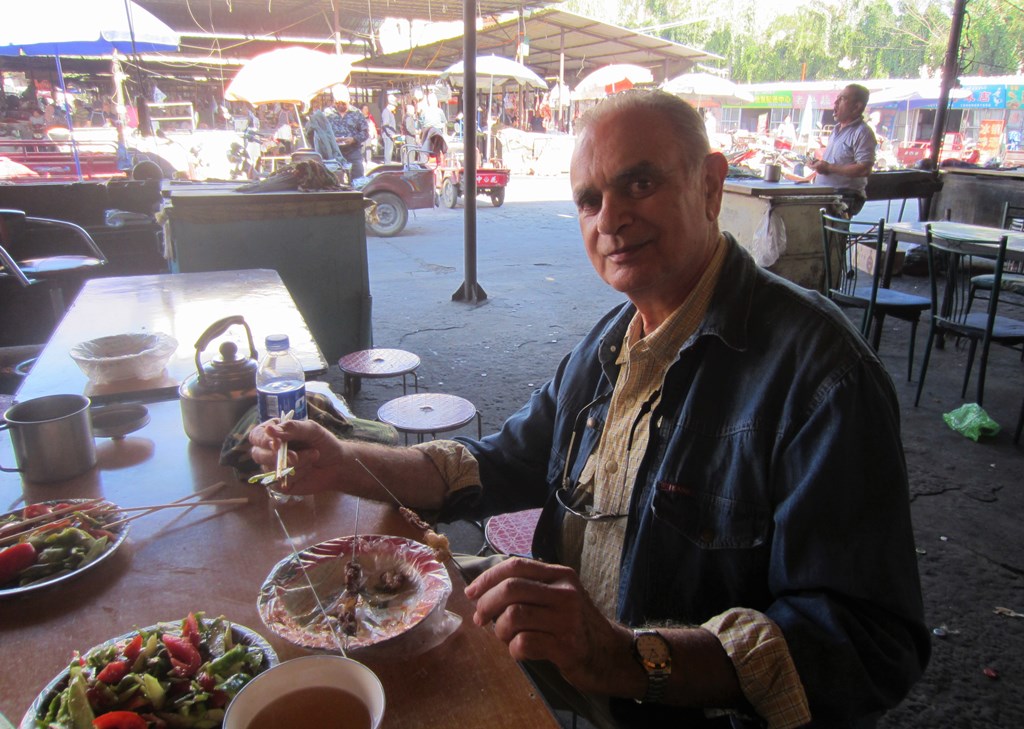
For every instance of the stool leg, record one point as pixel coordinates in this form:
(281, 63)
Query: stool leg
(479, 426)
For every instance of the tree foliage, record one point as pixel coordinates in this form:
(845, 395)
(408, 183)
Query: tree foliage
(830, 39)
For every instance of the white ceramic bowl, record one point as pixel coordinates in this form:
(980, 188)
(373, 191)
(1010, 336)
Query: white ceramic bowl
(124, 356)
(308, 671)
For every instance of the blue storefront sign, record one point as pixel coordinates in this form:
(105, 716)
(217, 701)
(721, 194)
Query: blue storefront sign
(982, 97)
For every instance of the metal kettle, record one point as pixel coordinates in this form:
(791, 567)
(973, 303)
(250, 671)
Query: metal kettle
(222, 391)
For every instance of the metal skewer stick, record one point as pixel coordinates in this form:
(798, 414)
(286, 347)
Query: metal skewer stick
(320, 606)
(374, 477)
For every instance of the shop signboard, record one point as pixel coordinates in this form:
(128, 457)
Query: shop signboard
(1014, 96)
(990, 136)
(981, 97)
(773, 99)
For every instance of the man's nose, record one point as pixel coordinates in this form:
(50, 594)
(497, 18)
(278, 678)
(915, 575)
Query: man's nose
(613, 216)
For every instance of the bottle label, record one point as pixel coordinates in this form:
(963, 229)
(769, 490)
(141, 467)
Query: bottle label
(278, 398)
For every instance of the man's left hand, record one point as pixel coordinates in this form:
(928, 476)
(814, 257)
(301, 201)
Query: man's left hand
(542, 612)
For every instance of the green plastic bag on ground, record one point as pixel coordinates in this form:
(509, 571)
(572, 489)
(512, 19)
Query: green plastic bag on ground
(972, 421)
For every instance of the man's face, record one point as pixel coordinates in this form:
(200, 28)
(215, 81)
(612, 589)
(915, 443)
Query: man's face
(648, 224)
(846, 107)
(341, 105)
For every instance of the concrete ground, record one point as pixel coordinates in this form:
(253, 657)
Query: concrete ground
(542, 295)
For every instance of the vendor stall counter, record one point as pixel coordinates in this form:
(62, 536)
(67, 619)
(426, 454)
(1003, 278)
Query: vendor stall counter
(779, 223)
(316, 241)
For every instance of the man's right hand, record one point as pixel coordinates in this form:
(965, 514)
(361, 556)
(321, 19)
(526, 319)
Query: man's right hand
(315, 453)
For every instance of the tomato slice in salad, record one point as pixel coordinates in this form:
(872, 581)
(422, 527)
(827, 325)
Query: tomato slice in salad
(184, 656)
(113, 672)
(120, 720)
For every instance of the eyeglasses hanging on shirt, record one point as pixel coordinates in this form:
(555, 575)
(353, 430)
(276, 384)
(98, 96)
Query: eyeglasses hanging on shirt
(578, 501)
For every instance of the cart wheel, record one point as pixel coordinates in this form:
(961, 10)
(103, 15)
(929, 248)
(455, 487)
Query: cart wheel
(449, 193)
(390, 217)
(498, 197)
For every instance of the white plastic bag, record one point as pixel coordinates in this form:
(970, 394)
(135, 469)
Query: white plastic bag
(769, 239)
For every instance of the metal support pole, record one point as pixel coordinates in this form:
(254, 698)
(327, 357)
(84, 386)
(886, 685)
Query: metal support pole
(950, 68)
(470, 291)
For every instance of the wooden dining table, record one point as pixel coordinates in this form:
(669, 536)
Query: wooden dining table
(215, 559)
(182, 305)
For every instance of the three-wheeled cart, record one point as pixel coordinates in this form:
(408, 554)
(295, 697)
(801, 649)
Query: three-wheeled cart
(490, 181)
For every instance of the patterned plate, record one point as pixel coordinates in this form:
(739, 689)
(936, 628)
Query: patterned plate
(290, 609)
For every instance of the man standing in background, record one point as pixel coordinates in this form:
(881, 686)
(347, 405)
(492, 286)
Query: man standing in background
(350, 129)
(850, 154)
(388, 128)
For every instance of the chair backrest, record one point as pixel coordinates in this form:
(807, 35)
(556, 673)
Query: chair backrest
(26, 237)
(853, 258)
(1013, 217)
(950, 269)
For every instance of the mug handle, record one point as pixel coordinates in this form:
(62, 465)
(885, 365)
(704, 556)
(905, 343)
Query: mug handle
(4, 425)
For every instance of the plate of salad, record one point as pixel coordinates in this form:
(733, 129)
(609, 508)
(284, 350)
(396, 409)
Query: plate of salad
(172, 674)
(53, 541)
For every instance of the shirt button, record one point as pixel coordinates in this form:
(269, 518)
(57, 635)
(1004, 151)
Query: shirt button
(613, 348)
(591, 422)
(612, 467)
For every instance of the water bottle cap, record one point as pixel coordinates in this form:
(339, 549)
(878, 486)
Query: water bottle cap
(277, 342)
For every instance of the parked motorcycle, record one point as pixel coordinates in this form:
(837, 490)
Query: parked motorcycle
(245, 155)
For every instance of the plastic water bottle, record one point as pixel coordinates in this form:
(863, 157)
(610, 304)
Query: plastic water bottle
(280, 382)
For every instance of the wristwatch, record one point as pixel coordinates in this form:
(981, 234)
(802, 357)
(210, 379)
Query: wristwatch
(654, 653)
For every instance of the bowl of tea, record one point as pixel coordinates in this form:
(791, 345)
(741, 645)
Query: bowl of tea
(325, 690)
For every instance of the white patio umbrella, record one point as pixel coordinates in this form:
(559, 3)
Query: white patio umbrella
(292, 75)
(806, 121)
(76, 28)
(611, 79)
(699, 87)
(499, 72)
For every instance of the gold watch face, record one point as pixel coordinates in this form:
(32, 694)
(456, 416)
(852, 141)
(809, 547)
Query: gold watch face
(653, 649)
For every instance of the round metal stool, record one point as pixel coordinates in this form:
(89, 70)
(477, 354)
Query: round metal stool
(512, 533)
(429, 413)
(376, 364)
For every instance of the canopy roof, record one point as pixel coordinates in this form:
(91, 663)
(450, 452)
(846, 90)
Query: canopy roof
(313, 18)
(587, 44)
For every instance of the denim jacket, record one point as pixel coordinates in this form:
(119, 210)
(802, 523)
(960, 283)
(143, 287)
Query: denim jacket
(774, 480)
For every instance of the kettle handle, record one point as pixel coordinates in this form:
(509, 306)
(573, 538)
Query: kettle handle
(215, 330)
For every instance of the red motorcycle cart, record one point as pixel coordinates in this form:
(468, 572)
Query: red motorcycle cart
(490, 181)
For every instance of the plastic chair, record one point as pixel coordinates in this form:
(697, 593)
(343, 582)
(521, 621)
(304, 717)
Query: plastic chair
(43, 250)
(512, 533)
(950, 296)
(851, 246)
(1013, 279)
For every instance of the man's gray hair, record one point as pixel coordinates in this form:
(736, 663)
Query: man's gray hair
(859, 93)
(686, 122)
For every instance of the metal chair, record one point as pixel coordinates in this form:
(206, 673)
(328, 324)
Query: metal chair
(850, 247)
(950, 296)
(45, 251)
(1013, 278)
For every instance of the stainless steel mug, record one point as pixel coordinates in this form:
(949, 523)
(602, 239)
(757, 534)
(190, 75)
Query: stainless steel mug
(52, 437)
(772, 173)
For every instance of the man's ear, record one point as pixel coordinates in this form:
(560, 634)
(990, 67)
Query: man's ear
(716, 166)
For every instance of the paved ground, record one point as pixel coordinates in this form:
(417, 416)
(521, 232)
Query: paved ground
(967, 498)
